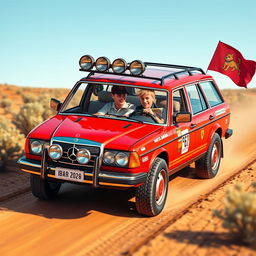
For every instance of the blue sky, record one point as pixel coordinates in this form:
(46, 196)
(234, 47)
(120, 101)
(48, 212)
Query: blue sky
(42, 41)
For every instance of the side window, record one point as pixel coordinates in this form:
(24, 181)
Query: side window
(197, 100)
(179, 102)
(211, 93)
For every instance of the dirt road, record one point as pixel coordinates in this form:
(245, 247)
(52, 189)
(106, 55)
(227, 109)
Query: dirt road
(82, 221)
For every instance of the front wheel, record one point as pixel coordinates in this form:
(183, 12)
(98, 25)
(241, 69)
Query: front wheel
(151, 196)
(44, 189)
(208, 166)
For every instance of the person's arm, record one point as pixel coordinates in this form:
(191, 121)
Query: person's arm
(130, 110)
(103, 111)
(158, 119)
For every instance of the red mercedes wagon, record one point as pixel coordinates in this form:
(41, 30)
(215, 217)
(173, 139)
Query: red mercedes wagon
(186, 123)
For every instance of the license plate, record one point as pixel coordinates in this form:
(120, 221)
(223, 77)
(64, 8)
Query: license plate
(69, 174)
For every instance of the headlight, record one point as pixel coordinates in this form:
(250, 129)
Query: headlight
(119, 66)
(122, 159)
(55, 152)
(83, 156)
(36, 147)
(109, 157)
(86, 62)
(137, 67)
(102, 64)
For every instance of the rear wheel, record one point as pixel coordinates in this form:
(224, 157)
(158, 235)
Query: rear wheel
(151, 196)
(208, 166)
(44, 189)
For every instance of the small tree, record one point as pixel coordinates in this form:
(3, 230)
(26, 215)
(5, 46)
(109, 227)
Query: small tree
(239, 215)
(10, 139)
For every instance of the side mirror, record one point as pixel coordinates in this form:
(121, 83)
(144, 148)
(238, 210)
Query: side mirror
(55, 104)
(183, 117)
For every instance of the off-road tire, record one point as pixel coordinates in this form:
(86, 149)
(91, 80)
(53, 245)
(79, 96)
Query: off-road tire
(44, 189)
(155, 185)
(208, 166)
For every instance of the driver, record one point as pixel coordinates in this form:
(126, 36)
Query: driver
(148, 106)
(119, 107)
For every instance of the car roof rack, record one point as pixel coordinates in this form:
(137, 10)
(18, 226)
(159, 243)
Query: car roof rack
(183, 69)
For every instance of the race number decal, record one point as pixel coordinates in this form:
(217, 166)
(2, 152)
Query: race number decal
(185, 141)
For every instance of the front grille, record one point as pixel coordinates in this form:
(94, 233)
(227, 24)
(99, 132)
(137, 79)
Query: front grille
(71, 162)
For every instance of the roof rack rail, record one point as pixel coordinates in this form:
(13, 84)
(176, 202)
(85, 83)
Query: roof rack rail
(184, 69)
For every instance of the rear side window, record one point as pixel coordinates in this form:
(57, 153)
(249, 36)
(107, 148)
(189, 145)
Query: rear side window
(196, 98)
(211, 93)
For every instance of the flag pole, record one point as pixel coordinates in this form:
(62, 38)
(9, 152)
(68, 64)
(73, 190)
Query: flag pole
(213, 54)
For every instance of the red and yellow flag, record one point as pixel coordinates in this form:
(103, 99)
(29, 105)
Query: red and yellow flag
(230, 62)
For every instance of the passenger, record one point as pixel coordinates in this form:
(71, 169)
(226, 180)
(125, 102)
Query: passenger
(119, 107)
(148, 105)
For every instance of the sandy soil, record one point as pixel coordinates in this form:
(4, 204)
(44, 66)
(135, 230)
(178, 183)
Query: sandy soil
(83, 221)
(197, 233)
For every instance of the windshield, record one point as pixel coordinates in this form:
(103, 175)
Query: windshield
(121, 102)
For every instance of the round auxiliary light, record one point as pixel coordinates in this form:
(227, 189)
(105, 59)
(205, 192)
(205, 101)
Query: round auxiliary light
(55, 152)
(109, 157)
(122, 159)
(137, 67)
(102, 64)
(83, 156)
(86, 62)
(36, 147)
(119, 66)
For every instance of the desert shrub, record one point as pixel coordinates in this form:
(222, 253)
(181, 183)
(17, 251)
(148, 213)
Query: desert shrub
(44, 99)
(27, 98)
(10, 139)
(239, 215)
(33, 113)
(30, 115)
(5, 123)
(5, 103)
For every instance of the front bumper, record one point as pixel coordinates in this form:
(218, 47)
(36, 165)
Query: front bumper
(102, 178)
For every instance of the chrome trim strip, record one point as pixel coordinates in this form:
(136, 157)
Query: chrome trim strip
(120, 177)
(72, 140)
(23, 160)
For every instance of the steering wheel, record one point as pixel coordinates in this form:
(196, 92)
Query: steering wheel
(145, 114)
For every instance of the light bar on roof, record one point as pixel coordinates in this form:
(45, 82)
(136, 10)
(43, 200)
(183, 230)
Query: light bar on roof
(102, 64)
(86, 62)
(137, 67)
(119, 66)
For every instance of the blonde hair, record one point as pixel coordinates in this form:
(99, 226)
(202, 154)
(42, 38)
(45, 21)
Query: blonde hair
(142, 92)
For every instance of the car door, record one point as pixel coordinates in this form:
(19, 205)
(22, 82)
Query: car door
(201, 117)
(181, 144)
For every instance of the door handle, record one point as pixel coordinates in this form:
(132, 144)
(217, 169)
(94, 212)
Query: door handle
(211, 117)
(192, 126)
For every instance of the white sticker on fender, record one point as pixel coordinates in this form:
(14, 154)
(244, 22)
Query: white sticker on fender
(185, 141)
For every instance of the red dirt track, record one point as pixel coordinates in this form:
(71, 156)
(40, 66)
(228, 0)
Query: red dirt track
(83, 221)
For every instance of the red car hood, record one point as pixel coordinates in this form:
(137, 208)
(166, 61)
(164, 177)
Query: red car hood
(111, 133)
